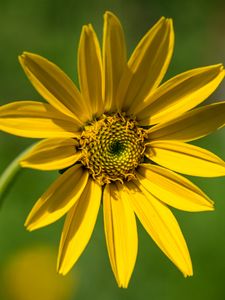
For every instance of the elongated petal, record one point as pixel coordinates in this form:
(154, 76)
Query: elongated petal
(162, 226)
(90, 70)
(121, 234)
(147, 65)
(36, 120)
(114, 58)
(173, 189)
(185, 158)
(180, 94)
(52, 154)
(191, 125)
(54, 85)
(58, 199)
(78, 227)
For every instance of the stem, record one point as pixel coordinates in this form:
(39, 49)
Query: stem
(10, 174)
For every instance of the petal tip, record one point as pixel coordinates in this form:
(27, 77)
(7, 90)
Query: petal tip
(210, 204)
(189, 274)
(24, 55)
(169, 21)
(28, 226)
(21, 58)
(108, 13)
(210, 207)
(111, 17)
(162, 19)
(220, 67)
(189, 271)
(169, 24)
(84, 29)
(123, 286)
(60, 269)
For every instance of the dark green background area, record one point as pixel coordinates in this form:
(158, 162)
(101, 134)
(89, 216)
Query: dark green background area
(51, 28)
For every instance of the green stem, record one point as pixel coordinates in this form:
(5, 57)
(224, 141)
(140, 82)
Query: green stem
(10, 174)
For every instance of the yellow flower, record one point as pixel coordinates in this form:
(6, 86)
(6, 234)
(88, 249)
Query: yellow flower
(29, 274)
(119, 140)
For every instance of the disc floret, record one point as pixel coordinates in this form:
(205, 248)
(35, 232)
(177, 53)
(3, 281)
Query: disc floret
(113, 146)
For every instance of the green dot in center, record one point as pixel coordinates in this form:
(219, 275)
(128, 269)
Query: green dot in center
(116, 147)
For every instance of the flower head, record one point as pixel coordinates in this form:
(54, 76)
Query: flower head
(118, 139)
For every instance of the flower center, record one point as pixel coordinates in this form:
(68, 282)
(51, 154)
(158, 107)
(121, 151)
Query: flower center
(112, 148)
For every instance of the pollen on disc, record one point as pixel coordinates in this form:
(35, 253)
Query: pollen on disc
(112, 147)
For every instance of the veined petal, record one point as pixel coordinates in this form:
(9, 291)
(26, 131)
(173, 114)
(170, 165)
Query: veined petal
(36, 120)
(58, 199)
(173, 189)
(191, 125)
(90, 70)
(147, 65)
(120, 232)
(52, 154)
(114, 58)
(54, 85)
(78, 226)
(162, 226)
(185, 158)
(180, 94)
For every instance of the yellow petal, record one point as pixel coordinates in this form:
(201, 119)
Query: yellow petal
(78, 226)
(173, 189)
(120, 232)
(185, 158)
(90, 70)
(54, 85)
(147, 65)
(36, 120)
(180, 94)
(58, 199)
(191, 125)
(52, 154)
(162, 226)
(114, 58)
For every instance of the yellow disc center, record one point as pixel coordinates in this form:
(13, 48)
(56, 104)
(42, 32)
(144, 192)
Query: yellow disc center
(112, 147)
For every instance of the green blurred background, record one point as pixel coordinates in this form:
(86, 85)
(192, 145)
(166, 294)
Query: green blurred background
(51, 28)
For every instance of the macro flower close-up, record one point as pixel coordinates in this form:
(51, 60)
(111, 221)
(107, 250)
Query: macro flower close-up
(121, 140)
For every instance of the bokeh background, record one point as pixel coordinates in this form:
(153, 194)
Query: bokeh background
(27, 260)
